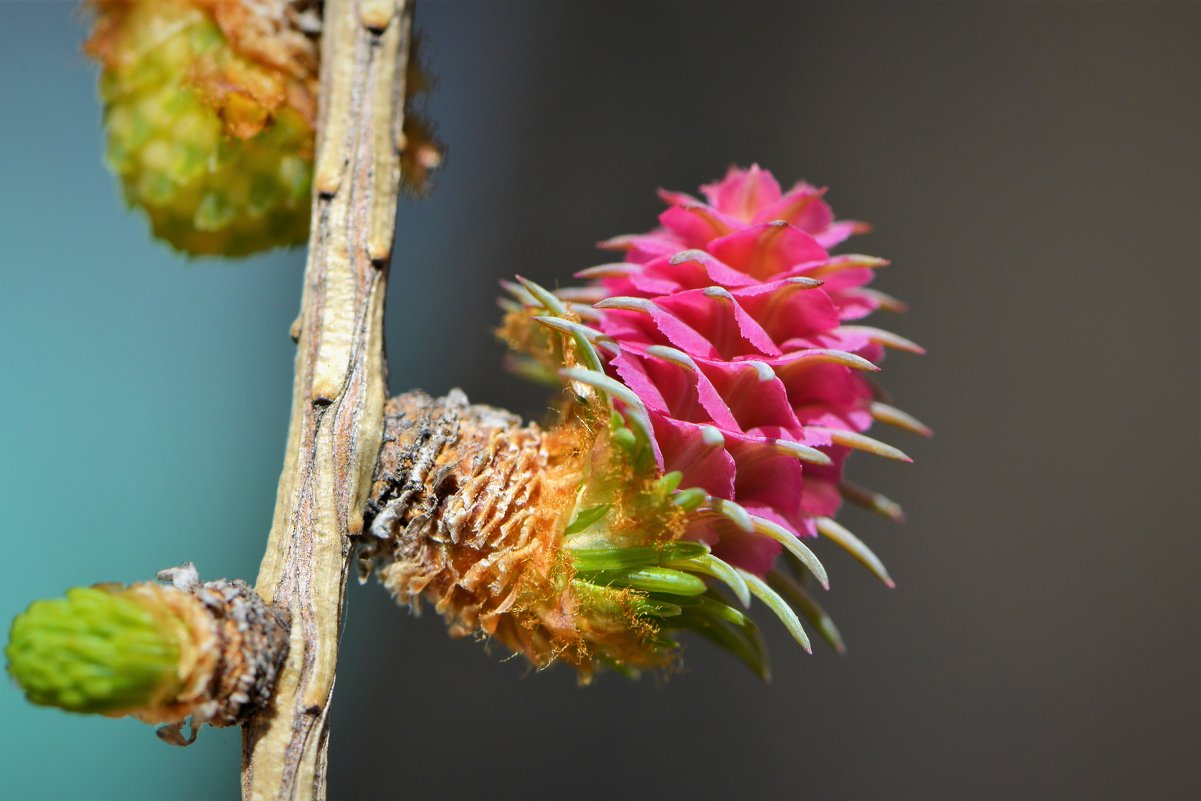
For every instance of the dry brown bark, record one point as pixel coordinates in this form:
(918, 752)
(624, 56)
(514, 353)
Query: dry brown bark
(340, 386)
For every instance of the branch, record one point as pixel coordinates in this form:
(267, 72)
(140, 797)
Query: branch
(339, 389)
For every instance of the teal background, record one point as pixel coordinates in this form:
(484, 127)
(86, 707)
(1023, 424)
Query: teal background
(1032, 170)
(151, 392)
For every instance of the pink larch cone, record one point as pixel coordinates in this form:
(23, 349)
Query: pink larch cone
(728, 341)
(735, 329)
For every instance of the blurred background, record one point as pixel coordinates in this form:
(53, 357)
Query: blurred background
(1032, 171)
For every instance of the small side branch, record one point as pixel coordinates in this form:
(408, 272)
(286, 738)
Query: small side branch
(339, 389)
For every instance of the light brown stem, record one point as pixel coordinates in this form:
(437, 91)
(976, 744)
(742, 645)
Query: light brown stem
(339, 389)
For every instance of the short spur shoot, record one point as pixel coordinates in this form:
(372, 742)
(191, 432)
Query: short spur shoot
(712, 385)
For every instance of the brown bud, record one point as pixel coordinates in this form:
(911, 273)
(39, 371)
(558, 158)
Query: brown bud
(235, 645)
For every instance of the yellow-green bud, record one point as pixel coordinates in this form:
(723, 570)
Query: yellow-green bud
(162, 652)
(96, 650)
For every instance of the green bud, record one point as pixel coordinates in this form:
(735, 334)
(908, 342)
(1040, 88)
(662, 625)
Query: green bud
(94, 651)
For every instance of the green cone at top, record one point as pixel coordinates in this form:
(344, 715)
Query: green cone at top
(210, 124)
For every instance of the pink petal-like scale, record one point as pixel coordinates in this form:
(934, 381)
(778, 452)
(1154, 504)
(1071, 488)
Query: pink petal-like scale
(731, 324)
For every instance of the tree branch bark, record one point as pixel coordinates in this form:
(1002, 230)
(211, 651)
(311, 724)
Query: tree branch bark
(339, 389)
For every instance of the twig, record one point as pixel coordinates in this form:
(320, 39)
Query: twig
(339, 389)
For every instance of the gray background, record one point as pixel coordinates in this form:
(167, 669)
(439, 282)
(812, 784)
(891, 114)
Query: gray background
(1032, 171)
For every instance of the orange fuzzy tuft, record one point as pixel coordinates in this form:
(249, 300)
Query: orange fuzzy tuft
(473, 508)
